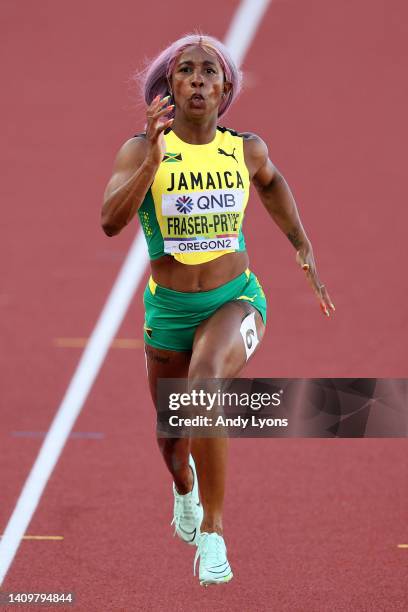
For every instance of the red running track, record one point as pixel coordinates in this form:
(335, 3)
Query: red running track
(311, 525)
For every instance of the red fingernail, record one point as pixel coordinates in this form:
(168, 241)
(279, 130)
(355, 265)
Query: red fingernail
(324, 310)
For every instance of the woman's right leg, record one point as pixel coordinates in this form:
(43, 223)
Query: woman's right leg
(171, 364)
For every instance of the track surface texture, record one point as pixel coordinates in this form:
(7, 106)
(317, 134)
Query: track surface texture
(310, 525)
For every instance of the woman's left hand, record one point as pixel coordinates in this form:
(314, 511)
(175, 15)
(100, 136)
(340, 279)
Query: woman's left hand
(305, 259)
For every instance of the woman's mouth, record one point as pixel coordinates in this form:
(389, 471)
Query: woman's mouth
(197, 101)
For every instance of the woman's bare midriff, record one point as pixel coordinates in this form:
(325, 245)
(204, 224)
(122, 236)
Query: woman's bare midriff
(170, 273)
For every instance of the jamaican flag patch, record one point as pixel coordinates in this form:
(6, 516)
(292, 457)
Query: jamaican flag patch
(172, 157)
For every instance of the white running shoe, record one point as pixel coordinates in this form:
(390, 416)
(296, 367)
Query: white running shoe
(188, 511)
(214, 566)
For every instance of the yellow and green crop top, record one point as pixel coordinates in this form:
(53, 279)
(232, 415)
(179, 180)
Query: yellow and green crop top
(195, 206)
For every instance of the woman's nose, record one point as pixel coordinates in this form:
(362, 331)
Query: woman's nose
(197, 79)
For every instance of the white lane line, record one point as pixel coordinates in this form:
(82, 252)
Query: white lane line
(239, 36)
(87, 370)
(243, 27)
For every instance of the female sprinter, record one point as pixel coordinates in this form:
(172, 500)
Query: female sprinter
(201, 295)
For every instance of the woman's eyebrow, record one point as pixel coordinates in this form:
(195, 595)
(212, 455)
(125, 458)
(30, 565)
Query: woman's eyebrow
(190, 62)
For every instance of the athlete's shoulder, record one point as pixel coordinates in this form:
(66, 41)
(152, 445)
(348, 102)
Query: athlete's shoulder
(131, 154)
(253, 139)
(225, 130)
(252, 142)
(244, 135)
(255, 148)
(134, 144)
(138, 141)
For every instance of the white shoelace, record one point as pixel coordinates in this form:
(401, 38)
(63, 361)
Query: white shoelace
(184, 510)
(211, 551)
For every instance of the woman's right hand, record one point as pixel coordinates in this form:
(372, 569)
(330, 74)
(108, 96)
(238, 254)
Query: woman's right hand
(156, 147)
(134, 170)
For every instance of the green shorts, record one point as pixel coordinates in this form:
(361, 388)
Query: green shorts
(172, 317)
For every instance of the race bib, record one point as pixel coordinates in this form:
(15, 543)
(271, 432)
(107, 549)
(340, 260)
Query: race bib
(202, 220)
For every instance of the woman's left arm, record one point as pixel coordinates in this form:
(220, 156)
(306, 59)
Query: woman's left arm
(278, 200)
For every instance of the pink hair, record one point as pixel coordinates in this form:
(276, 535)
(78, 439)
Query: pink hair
(155, 78)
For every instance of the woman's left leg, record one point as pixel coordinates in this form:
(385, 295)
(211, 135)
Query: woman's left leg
(219, 351)
(162, 363)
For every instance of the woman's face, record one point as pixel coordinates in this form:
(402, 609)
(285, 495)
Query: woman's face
(197, 82)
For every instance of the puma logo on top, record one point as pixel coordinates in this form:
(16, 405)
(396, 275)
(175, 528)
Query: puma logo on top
(222, 152)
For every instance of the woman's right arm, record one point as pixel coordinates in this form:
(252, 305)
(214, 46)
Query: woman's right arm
(134, 170)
